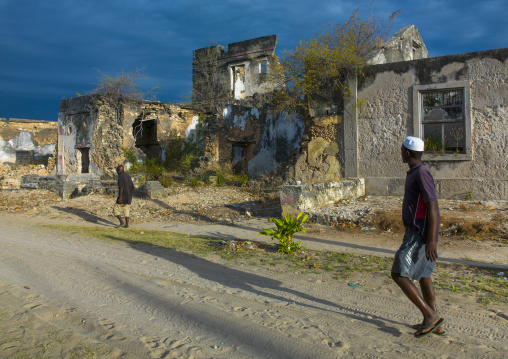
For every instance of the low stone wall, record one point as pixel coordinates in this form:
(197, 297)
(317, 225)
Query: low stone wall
(69, 186)
(446, 188)
(298, 198)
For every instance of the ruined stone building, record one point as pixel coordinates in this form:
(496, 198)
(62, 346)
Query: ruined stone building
(26, 141)
(243, 67)
(245, 133)
(252, 138)
(456, 103)
(94, 134)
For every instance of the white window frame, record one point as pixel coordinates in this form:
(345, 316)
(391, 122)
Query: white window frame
(418, 118)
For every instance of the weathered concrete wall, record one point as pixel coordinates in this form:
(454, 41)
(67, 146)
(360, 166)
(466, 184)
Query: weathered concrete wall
(95, 131)
(37, 137)
(252, 139)
(298, 198)
(388, 119)
(76, 125)
(280, 137)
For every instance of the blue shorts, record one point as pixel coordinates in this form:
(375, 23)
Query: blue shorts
(410, 260)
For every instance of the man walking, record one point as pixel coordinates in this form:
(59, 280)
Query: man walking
(416, 257)
(123, 202)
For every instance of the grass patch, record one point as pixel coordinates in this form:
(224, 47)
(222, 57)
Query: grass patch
(484, 283)
(136, 236)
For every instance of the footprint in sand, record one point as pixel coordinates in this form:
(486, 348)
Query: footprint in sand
(336, 344)
(151, 342)
(107, 324)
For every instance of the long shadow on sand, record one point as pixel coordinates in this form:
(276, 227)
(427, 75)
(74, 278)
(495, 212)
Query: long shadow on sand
(259, 285)
(86, 215)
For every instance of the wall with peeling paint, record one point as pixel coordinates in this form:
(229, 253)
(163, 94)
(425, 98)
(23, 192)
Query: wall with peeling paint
(252, 139)
(36, 137)
(388, 118)
(88, 126)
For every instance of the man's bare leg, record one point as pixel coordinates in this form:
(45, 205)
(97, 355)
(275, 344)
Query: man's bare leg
(428, 295)
(121, 221)
(430, 316)
(126, 222)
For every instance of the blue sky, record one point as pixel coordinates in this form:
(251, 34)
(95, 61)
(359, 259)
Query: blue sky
(51, 49)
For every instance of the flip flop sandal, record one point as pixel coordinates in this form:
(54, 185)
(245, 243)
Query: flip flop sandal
(431, 328)
(419, 326)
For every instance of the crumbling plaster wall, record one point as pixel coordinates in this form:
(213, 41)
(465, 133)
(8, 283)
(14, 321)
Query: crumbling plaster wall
(106, 130)
(76, 125)
(265, 139)
(26, 135)
(384, 124)
(388, 118)
(320, 156)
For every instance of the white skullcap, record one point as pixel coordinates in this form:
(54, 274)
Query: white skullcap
(413, 144)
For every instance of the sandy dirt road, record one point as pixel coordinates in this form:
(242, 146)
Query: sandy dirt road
(120, 300)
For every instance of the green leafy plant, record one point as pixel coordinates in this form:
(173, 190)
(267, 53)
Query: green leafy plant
(182, 154)
(241, 180)
(432, 144)
(285, 230)
(153, 168)
(221, 177)
(136, 166)
(166, 180)
(194, 182)
(469, 195)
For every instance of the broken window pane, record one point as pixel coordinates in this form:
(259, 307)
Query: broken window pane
(454, 137)
(443, 121)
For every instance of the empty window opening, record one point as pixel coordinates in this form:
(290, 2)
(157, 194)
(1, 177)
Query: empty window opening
(417, 51)
(145, 134)
(239, 82)
(263, 67)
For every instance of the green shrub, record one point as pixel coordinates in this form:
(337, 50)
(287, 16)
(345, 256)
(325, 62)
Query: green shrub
(186, 163)
(241, 180)
(285, 231)
(153, 168)
(194, 182)
(221, 178)
(182, 154)
(166, 180)
(432, 144)
(136, 166)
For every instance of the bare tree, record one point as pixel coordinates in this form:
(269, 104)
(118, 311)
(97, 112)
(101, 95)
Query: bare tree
(210, 86)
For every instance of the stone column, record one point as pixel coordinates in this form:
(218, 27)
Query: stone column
(351, 131)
